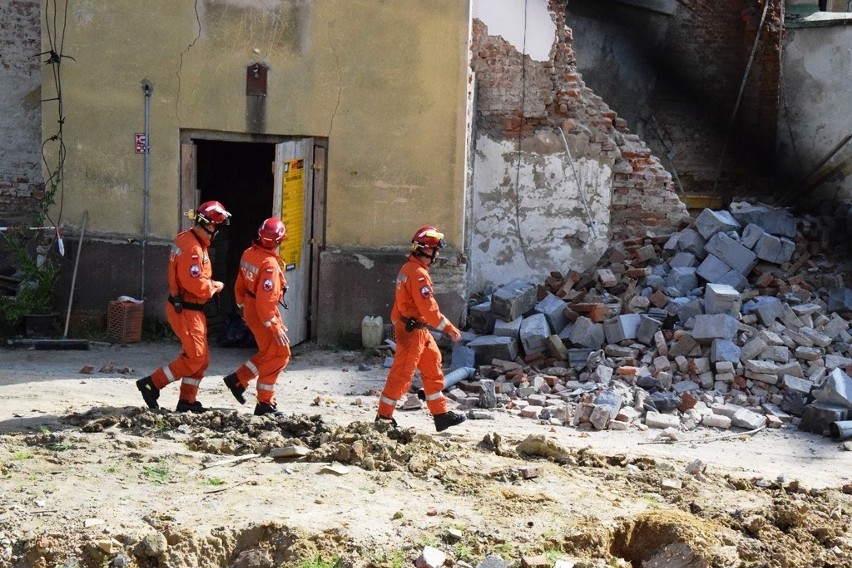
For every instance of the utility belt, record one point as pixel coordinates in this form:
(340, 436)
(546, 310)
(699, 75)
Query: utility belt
(411, 323)
(180, 305)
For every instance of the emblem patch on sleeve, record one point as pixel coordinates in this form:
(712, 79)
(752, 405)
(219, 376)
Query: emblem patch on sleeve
(195, 271)
(268, 285)
(426, 292)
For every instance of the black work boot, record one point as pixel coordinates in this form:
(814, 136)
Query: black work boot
(262, 408)
(385, 420)
(149, 392)
(233, 383)
(186, 406)
(447, 419)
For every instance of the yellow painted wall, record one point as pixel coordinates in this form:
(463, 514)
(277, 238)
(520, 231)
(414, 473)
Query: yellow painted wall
(384, 80)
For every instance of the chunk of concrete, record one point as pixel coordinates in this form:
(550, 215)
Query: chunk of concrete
(490, 347)
(513, 299)
(711, 222)
(774, 249)
(732, 253)
(714, 326)
(722, 299)
(533, 333)
(553, 308)
(587, 333)
(772, 220)
(622, 327)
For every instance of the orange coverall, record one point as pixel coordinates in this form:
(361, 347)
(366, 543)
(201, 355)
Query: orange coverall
(415, 349)
(190, 277)
(259, 287)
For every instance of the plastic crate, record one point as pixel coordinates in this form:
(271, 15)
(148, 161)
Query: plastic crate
(124, 321)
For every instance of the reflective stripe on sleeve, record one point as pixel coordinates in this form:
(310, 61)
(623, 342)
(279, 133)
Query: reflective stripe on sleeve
(269, 323)
(443, 324)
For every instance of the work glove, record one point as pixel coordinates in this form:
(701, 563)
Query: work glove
(280, 334)
(453, 332)
(217, 286)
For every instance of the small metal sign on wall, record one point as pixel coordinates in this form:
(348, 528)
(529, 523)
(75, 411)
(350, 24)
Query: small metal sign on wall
(256, 79)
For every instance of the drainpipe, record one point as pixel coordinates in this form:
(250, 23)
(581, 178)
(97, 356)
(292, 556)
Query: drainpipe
(147, 88)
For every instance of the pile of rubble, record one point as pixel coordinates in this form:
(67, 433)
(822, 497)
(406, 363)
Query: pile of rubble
(731, 321)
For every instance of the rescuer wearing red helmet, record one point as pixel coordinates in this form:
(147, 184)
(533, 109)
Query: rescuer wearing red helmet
(191, 285)
(259, 288)
(413, 310)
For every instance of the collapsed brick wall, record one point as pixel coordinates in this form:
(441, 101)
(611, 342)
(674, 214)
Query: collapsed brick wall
(21, 181)
(517, 96)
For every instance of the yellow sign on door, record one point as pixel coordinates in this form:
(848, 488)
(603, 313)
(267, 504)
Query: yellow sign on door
(293, 211)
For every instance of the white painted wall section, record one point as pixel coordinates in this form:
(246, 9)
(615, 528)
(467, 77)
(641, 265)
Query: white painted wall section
(507, 18)
(529, 222)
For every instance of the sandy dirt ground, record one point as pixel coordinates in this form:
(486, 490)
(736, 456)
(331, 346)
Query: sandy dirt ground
(89, 477)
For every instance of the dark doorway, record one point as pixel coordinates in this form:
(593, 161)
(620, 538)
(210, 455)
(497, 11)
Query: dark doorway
(239, 175)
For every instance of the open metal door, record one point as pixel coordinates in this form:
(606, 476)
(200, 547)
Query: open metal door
(293, 203)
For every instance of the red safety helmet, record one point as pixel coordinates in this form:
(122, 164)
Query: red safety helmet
(427, 237)
(212, 213)
(271, 233)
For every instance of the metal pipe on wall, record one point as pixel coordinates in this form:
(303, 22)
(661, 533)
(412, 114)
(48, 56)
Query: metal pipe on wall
(147, 88)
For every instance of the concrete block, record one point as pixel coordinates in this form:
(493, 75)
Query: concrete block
(840, 300)
(490, 347)
(772, 220)
(711, 222)
(716, 421)
(682, 279)
(817, 417)
(721, 299)
(712, 269)
(556, 347)
(480, 318)
(579, 358)
(833, 361)
(734, 279)
(745, 418)
(791, 368)
(648, 327)
(687, 311)
(661, 421)
(553, 308)
(533, 333)
(794, 402)
(513, 299)
(777, 353)
(622, 327)
(767, 308)
(683, 259)
(835, 326)
(691, 240)
(774, 249)
(724, 350)
(732, 253)
(587, 333)
(714, 326)
(751, 234)
(508, 328)
(683, 346)
(816, 337)
(796, 384)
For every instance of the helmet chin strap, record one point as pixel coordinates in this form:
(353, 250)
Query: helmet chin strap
(419, 252)
(208, 231)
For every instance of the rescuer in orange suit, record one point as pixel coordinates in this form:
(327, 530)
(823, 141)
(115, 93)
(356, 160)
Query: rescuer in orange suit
(191, 285)
(414, 309)
(259, 288)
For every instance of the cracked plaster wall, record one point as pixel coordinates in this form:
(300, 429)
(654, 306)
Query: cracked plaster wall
(527, 213)
(817, 103)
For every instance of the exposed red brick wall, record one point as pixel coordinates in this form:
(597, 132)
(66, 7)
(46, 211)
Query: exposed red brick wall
(517, 97)
(707, 52)
(21, 183)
